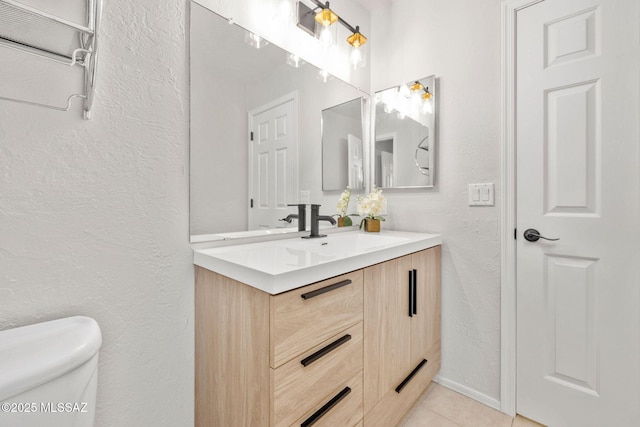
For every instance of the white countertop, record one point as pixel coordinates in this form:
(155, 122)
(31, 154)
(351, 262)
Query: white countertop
(281, 265)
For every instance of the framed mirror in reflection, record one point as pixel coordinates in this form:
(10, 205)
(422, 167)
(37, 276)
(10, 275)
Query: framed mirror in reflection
(342, 147)
(255, 131)
(404, 148)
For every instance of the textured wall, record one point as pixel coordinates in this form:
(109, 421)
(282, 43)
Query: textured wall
(459, 42)
(94, 214)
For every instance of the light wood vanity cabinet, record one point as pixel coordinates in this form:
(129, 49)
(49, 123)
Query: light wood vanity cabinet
(306, 357)
(402, 334)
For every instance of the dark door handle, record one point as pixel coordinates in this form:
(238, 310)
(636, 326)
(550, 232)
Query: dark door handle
(533, 235)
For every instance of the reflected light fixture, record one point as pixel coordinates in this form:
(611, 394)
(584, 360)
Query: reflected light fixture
(356, 40)
(324, 76)
(255, 40)
(417, 86)
(295, 61)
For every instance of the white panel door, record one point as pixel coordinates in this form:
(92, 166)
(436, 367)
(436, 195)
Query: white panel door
(273, 165)
(578, 163)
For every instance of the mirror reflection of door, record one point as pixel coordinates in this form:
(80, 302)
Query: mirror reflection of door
(385, 151)
(342, 147)
(273, 167)
(356, 159)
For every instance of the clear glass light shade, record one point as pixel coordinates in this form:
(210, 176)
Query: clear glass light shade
(404, 91)
(295, 61)
(355, 57)
(255, 40)
(326, 37)
(324, 76)
(427, 106)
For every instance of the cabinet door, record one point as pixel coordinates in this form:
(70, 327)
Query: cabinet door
(425, 325)
(387, 328)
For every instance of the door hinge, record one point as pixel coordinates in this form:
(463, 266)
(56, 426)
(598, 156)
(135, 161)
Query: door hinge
(515, 234)
(251, 204)
(252, 136)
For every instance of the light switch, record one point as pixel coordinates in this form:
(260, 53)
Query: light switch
(481, 194)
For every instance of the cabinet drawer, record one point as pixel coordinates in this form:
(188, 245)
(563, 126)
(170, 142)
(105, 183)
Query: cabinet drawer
(395, 404)
(297, 388)
(343, 407)
(305, 317)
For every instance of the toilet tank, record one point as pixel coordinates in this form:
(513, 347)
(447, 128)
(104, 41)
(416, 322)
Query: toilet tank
(48, 373)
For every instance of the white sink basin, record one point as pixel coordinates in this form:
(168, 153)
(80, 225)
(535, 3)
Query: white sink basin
(280, 265)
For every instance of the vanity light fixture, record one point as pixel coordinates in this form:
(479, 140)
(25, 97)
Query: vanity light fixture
(325, 17)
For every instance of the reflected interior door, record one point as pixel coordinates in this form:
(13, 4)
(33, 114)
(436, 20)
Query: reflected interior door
(386, 160)
(578, 162)
(355, 164)
(273, 165)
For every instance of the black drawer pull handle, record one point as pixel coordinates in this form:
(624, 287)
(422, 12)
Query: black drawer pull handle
(326, 408)
(325, 289)
(406, 380)
(323, 351)
(415, 291)
(411, 296)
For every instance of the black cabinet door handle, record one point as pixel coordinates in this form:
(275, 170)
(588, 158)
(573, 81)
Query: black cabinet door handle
(325, 289)
(325, 350)
(415, 291)
(411, 296)
(415, 371)
(326, 408)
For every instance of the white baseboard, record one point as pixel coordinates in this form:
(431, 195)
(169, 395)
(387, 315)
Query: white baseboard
(469, 392)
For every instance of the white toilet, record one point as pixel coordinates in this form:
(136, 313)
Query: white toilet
(49, 373)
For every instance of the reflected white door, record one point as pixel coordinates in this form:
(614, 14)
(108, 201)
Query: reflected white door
(356, 158)
(273, 164)
(386, 160)
(578, 163)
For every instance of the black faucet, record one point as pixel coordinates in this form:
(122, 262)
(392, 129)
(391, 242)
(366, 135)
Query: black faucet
(301, 216)
(315, 220)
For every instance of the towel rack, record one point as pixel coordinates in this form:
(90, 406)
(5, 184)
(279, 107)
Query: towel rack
(25, 28)
(424, 170)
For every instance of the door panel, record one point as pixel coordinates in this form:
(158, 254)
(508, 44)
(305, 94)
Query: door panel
(572, 148)
(387, 328)
(578, 163)
(425, 327)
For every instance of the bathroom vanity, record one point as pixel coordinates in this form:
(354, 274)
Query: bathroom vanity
(338, 331)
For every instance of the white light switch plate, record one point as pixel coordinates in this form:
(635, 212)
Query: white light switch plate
(481, 194)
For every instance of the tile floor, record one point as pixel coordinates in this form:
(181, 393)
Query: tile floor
(440, 407)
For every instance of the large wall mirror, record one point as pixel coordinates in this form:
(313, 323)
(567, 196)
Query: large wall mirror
(256, 114)
(405, 135)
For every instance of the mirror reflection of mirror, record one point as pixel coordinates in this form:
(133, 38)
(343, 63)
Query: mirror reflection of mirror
(404, 149)
(241, 86)
(342, 147)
